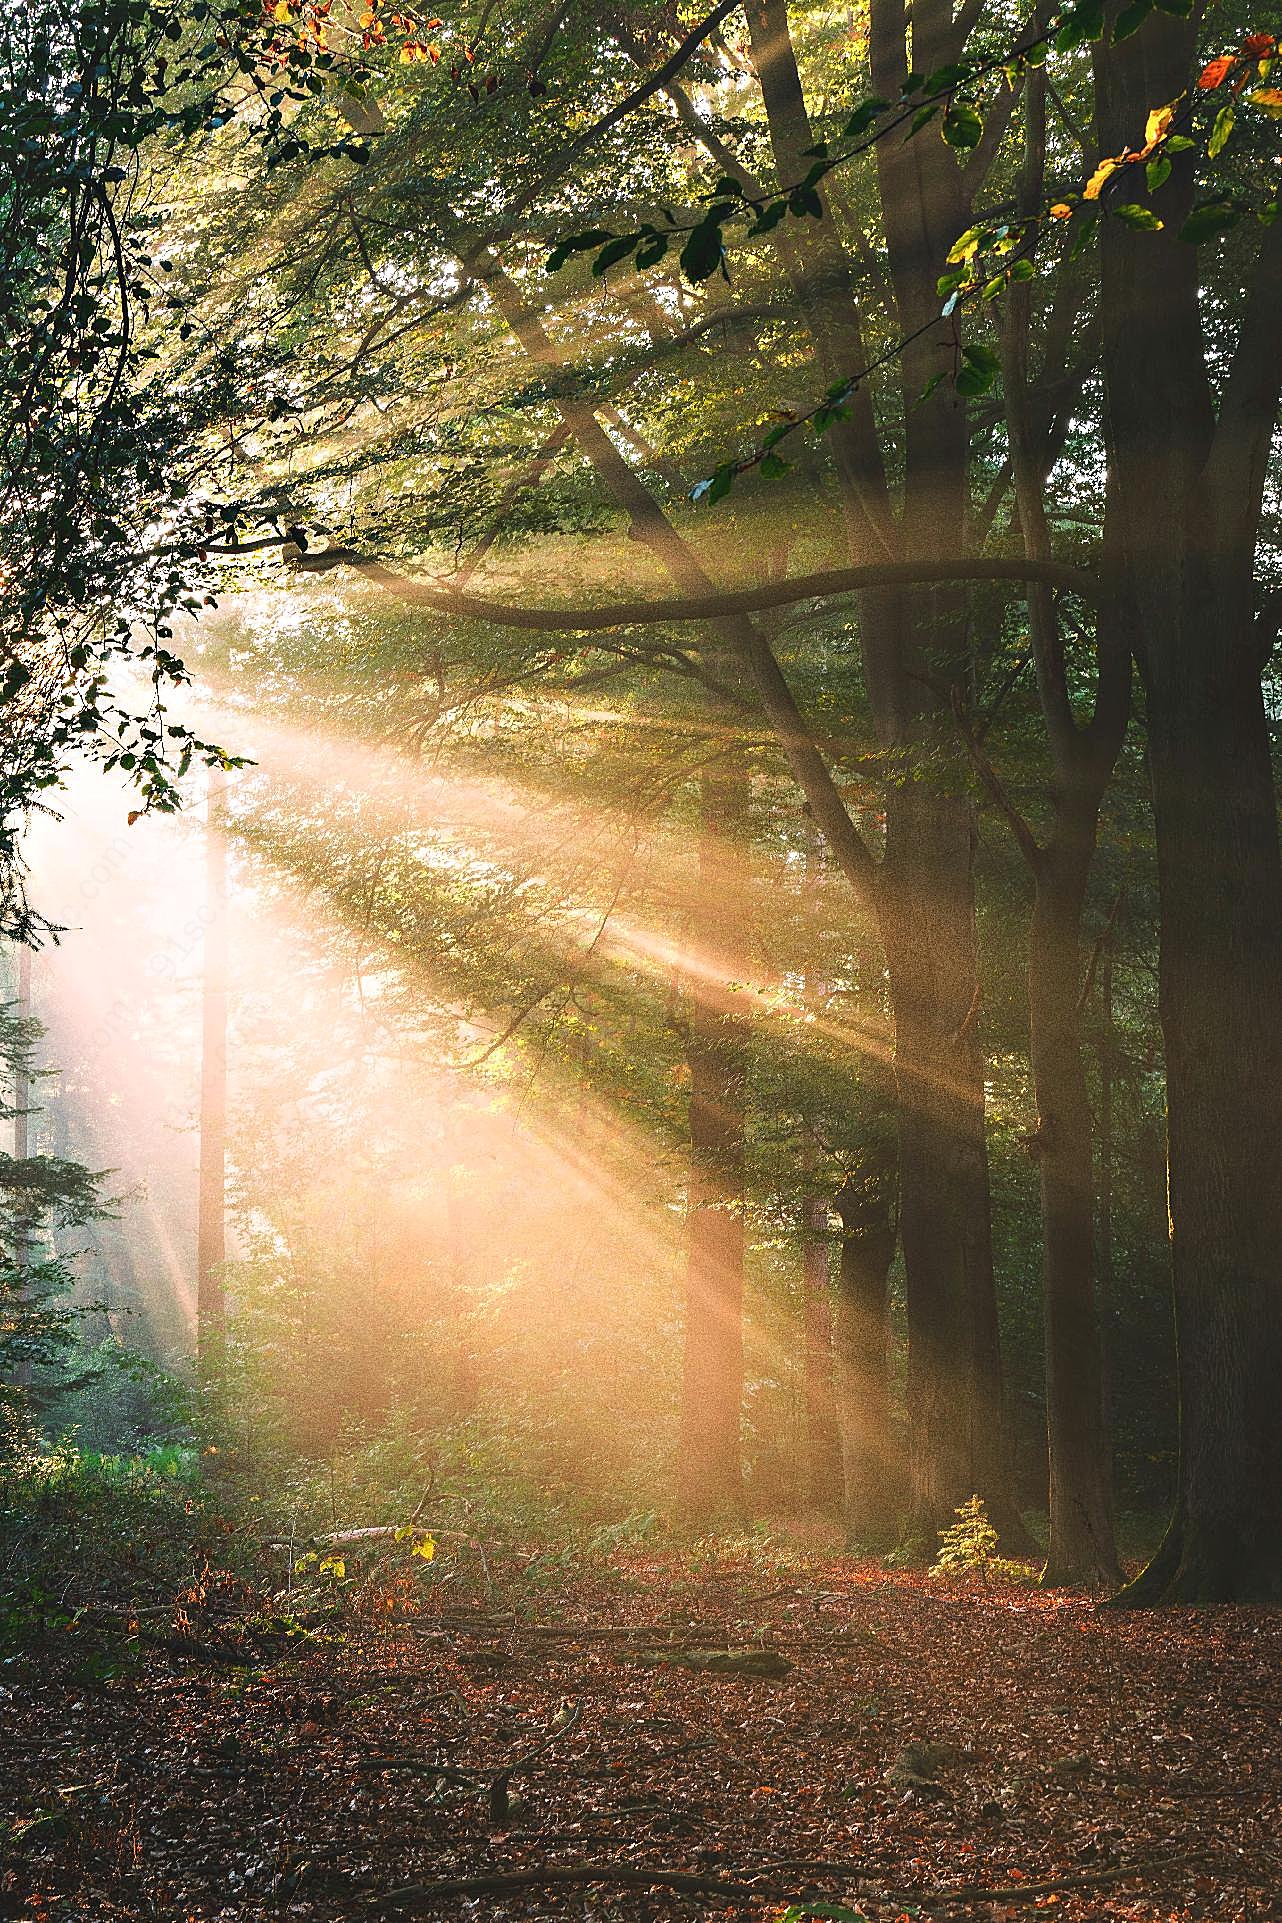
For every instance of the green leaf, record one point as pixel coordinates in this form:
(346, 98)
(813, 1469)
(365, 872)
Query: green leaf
(1131, 19)
(979, 369)
(1084, 22)
(616, 250)
(1220, 132)
(1211, 218)
(716, 487)
(966, 246)
(702, 253)
(962, 126)
(576, 244)
(944, 79)
(1136, 216)
(769, 217)
(804, 200)
(1157, 173)
(863, 116)
(772, 466)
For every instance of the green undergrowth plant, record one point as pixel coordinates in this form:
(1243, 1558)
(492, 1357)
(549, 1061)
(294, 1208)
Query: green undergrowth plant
(968, 1547)
(91, 1540)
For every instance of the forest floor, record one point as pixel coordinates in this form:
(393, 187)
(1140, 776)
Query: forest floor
(659, 1742)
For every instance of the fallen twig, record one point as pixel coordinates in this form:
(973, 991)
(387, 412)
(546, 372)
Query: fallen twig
(552, 1875)
(647, 1875)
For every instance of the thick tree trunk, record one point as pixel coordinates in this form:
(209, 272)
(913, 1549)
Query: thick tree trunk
(955, 1427)
(21, 1151)
(709, 1460)
(211, 1237)
(872, 1469)
(823, 1453)
(1081, 1552)
(1190, 460)
(1220, 880)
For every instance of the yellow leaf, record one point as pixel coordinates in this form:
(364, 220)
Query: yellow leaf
(1094, 186)
(1270, 98)
(1157, 125)
(426, 1549)
(283, 11)
(1061, 210)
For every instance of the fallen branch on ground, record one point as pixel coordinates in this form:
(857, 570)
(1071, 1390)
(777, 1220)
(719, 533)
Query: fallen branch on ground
(643, 1876)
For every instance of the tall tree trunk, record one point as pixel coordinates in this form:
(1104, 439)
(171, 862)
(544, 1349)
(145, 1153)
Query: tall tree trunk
(955, 1428)
(1220, 881)
(1105, 1256)
(822, 1443)
(872, 1469)
(21, 1151)
(926, 895)
(211, 1235)
(1081, 1551)
(1106, 1051)
(1191, 457)
(709, 1460)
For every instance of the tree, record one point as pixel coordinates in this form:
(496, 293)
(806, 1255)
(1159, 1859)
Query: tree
(1191, 419)
(105, 516)
(39, 1193)
(921, 471)
(211, 1234)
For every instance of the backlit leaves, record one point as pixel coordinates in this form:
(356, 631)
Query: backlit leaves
(977, 371)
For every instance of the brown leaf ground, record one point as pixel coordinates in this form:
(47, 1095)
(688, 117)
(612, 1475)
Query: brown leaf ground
(1134, 1760)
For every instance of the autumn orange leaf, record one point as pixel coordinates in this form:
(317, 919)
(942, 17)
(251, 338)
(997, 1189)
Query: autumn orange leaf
(1215, 72)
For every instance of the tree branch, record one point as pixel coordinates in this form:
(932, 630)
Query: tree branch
(712, 606)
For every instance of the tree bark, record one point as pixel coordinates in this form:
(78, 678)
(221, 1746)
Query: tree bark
(21, 1151)
(954, 1385)
(709, 1459)
(872, 1466)
(211, 1234)
(925, 894)
(1081, 1551)
(822, 1444)
(1220, 885)
(1190, 459)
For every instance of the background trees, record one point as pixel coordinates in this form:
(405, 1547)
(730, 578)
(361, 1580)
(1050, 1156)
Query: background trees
(743, 837)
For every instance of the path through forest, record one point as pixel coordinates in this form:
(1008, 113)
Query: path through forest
(856, 1735)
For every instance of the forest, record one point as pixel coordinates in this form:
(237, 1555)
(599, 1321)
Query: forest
(640, 961)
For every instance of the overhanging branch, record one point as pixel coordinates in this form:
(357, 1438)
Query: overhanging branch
(706, 607)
